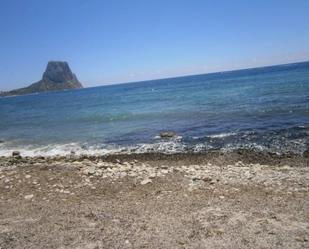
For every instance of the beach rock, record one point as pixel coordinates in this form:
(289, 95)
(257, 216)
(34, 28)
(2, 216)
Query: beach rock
(196, 178)
(146, 181)
(164, 171)
(207, 179)
(168, 134)
(301, 239)
(90, 171)
(152, 175)
(213, 181)
(16, 153)
(306, 154)
(28, 197)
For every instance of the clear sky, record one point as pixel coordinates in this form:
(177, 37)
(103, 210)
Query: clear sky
(120, 41)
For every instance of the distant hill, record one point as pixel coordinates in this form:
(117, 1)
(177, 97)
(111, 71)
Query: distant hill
(57, 76)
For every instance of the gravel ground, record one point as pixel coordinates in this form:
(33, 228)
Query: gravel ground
(235, 200)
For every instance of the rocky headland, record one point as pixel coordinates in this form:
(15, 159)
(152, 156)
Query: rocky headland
(57, 76)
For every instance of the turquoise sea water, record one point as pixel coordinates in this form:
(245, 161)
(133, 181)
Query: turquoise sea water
(264, 109)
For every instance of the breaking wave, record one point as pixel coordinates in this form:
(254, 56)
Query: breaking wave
(222, 135)
(167, 147)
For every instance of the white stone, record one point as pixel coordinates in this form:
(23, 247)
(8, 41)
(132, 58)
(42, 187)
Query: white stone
(90, 171)
(146, 181)
(164, 171)
(28, 197)
(152, 175)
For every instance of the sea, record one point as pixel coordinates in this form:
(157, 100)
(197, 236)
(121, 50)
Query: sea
(263, 109)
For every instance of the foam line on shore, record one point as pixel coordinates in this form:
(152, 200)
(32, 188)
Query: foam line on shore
(164, 147)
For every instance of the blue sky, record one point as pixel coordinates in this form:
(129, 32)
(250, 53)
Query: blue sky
(120, 41)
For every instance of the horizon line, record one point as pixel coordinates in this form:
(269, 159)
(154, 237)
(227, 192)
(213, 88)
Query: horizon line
(198, 74)
(184, 75)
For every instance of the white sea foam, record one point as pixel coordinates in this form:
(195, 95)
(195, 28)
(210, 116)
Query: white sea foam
(167, 147)
(201, 147)
(55, 149)
(249, 146)
(222, 135)
(176, 138)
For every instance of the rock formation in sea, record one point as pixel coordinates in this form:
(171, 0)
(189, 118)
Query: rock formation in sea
(57, 76)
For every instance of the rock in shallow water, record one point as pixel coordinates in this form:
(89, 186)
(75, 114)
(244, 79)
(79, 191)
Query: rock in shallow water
(306, 154)
(168, 134)
(15, 153)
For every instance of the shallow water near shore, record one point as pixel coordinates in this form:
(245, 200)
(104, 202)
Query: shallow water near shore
(264, 109)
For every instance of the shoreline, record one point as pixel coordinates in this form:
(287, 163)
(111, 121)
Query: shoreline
(215, 156)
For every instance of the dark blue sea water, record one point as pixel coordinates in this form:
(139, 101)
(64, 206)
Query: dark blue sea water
(263, 108)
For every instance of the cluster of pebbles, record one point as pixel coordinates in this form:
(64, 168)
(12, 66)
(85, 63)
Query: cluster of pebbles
(207, 174)
(283, 177)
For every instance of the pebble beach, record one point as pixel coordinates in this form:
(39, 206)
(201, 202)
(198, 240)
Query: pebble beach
(215, 200)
